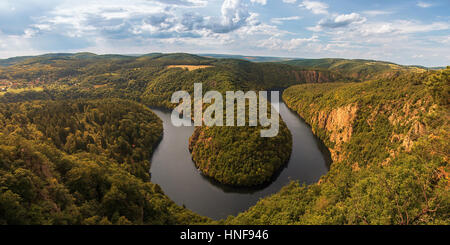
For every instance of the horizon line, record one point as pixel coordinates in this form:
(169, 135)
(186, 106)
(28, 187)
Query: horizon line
(224, 54)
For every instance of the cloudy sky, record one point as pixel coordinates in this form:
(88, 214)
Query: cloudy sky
(405, 32)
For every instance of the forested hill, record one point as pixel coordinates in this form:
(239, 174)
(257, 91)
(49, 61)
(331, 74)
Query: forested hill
(67, 92)
(357, 69)
(81, 162)
(239, 156)
(390, 145)
(149, 78)
(152, 77)
(72, 152)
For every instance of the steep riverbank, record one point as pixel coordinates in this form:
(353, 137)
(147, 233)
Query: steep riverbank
(389, 140)
(173, 170)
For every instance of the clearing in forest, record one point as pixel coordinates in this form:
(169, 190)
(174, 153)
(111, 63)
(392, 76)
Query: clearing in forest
(189, 67)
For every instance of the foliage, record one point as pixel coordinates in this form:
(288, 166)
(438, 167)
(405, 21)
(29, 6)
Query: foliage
(81, 162)
(69, 154)
(395, 169)
(358, 69)
(239, 156)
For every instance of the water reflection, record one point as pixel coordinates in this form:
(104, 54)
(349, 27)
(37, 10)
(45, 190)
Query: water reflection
(173, 169)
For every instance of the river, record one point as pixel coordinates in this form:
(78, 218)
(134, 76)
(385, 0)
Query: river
(173, 169)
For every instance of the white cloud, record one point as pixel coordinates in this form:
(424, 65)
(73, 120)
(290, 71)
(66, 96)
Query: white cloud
(400, 27)
(280, 20)
(424, 4)
(338, 21)
(234, 16)
(260, 31)
(401, 41)
(315, 7)
(443, 40)
(226, 26)
(29, 33)
(15, 45)
(149, 19)
(377, 12)
(297, 42)
(182, 3)
(262, 2)
(289, 45)
(346, 19)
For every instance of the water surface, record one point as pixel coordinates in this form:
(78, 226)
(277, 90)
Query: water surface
(172, 168)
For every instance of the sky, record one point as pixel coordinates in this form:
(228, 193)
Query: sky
(404, 32)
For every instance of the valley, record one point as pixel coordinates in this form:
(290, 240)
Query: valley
(84, 148)
(173, 169)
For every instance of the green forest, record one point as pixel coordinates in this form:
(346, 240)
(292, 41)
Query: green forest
(76, 139)
(239, 156)
(392, 170)
(79, 162)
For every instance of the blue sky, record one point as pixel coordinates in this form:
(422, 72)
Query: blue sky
(405, 32)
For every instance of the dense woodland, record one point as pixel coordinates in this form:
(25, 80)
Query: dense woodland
(76, 139)
(78, 162)
(239, 156)
(358, 69)
(392, 170)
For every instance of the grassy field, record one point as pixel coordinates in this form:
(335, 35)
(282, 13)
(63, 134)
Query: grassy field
(19, 90)
(189, 67)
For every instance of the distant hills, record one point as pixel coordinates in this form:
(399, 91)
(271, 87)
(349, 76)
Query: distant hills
(57, 56)
(357, 68)
(346, 64)
(51, 67)
(327, 63)
(247, 57)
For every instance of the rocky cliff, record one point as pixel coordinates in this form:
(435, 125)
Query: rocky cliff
(339, 125)
(389, 139)
(314, 76)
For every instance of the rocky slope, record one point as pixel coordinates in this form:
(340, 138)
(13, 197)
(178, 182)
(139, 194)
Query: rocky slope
(390, 145)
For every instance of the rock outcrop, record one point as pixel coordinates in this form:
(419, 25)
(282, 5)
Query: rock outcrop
(339, 125)
(313, 76)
